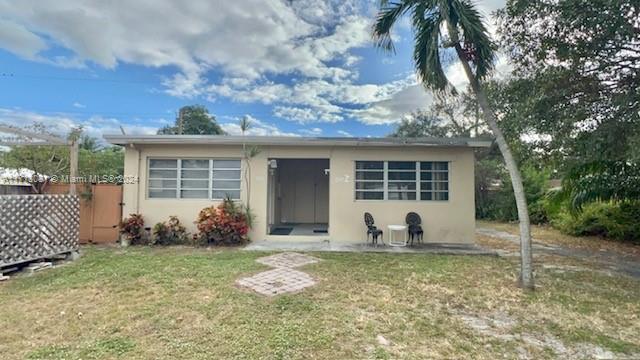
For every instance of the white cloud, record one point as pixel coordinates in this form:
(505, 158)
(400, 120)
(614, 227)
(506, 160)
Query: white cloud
(257, 128)
(352, 60)
(392, 109)
(17, 39)
(315, 92)
(345, 133)
(283, 37)
(410, 96)
(314, 100)
(306, 115)
(311, 132)
(95, 126)
(78, 105)
(308, 40)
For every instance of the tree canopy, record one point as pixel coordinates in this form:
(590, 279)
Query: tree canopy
(448, 116)
(93, 159)
(577, 89)
(420, 123)
(193, 120)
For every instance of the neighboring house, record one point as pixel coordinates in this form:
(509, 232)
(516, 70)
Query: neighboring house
(319, 188)
(15, 182)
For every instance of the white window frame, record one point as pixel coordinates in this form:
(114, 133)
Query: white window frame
(178, 179)
(384, 180)
(211, 179)
(433, 171)
(149, 178)
(418, 180)
(387, 170)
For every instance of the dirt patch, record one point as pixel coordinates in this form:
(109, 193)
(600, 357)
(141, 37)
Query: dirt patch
(549, 236)
(500, 326)
(497, 325)
(606, 254)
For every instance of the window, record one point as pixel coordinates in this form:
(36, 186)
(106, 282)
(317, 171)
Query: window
(369, 180)
(194, 178)
(434, 180)
(401, 183)
(226, 179)
(402, 180)
(163, 178)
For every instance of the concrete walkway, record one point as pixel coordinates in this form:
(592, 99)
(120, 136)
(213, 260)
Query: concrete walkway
(283, 279)
(310, 246)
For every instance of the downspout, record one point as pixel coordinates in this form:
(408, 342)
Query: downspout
(330, 175)
(138, 177)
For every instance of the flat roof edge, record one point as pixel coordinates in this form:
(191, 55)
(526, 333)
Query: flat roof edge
(293, 141)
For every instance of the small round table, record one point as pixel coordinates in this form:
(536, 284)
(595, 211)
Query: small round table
(392, 240)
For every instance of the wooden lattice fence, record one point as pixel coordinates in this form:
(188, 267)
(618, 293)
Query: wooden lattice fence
(37, 226)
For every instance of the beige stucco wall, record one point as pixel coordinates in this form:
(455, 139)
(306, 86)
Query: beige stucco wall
(443, 221)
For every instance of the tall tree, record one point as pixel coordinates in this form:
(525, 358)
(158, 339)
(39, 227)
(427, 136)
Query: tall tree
(104, 162)
(44, 161)
(421, 123)
(47, 161)
(578, 66)
(449, 115)
(457, 25)
(89, 143)
(193, 120)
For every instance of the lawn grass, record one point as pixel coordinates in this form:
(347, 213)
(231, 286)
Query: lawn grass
(181, 303)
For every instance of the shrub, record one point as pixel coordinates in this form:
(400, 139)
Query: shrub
(619, 221)
(132, 228)
(498, 202)
(226, 223)
(170, 232)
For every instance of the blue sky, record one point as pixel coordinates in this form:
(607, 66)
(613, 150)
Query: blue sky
(296, 67)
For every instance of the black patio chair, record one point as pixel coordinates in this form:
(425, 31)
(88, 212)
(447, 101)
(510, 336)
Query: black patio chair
(372, 229)
(415, 227)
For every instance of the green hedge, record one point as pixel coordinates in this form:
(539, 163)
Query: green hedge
(619, 221)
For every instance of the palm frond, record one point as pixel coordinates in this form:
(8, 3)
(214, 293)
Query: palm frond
(426, 53)
(600, 181)
(252, 151)
(389, 13)
(475, 33)
(447, 11)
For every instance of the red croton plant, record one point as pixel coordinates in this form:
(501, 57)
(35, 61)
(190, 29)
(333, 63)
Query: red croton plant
(226, 223)
(132, 228)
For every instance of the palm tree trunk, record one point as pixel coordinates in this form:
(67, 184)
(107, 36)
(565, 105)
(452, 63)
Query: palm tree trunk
(247, 176)
(526, 267)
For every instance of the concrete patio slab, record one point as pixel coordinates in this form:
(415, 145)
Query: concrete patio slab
(311, 246)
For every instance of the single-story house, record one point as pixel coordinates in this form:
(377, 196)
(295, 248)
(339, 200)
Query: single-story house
(306, 188)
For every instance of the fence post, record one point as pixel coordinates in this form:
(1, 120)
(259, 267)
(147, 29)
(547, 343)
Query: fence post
(73, 166)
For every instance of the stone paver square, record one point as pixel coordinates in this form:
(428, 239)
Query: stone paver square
(287, 260)
(277, 281)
